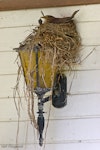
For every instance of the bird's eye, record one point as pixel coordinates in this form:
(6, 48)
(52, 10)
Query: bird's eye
(43, 20)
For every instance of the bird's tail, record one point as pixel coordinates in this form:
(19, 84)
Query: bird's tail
(74, 14)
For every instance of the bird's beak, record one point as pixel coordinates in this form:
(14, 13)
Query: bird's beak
(43, 17)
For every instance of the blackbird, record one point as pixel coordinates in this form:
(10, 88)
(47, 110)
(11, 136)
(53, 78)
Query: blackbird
(52, 19)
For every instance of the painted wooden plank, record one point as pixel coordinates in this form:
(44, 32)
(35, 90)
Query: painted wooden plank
(8, 84)
(8, 62)
(79, 146)
(9, 133)
(73, 146)
(89, 57)
(70, 130)
(86, 81)
(80, 129)
(88, 33)
(8, 111)
(30, 17)
(79, 85)
(78, 107)
(15, 37)
(66, 131)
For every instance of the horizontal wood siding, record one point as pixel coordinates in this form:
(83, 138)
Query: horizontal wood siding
(76, 126)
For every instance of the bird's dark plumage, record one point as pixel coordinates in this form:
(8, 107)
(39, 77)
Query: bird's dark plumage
(52, 19)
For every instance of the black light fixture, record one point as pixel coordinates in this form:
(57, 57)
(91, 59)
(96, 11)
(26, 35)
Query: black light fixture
(32, 65)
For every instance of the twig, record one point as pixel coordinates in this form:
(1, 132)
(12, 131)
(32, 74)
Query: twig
(87, 55)
(42, 13)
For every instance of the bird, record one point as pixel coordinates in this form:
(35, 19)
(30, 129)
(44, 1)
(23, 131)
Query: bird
(52, 19)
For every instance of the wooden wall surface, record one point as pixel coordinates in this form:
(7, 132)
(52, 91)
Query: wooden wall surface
(76, 126)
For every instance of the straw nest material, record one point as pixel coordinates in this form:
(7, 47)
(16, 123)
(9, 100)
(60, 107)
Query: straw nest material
(59, 42)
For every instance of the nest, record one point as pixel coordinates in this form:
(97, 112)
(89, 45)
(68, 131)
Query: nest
(59, 42)
(59, 46)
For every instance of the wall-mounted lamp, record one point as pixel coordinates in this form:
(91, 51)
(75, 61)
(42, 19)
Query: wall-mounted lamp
(44, 55)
